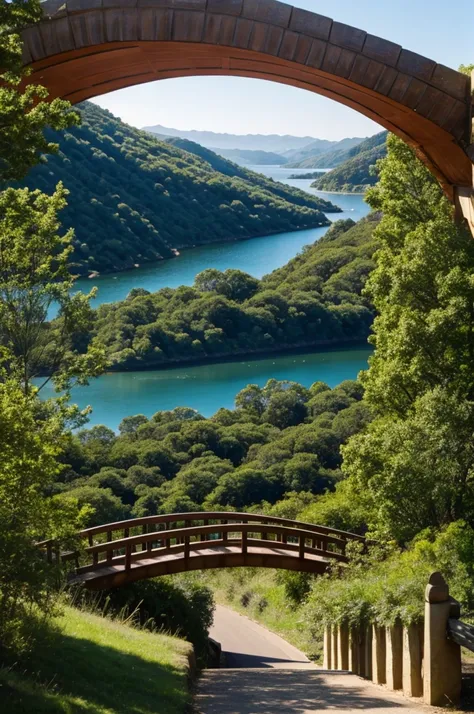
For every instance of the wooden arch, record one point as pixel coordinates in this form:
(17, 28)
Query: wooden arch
(84, 48)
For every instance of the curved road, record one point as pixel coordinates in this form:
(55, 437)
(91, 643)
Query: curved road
(247, 644)
(266, 675)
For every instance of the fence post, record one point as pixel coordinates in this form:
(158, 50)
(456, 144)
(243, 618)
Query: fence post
(334, 638)
(442, 661)
(394, 647)
(343, 647)
(412, 658)
(379, 655)
(368, 652)
(327, 659)
(354, 650)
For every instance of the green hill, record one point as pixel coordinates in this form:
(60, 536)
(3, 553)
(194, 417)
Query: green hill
(354, 175)
(256, 158)
(317, 156)
(135, 199)
(340, 154)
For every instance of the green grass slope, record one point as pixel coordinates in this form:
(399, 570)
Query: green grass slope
(354, 175)
(136, 199)
(91, 665)
(333, 158)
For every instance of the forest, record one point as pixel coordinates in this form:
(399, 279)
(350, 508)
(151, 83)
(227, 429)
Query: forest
(316, 299)
(356, 174)
(135, 199)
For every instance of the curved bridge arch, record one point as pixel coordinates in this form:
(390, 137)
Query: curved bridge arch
(84, 48)
(127, 551)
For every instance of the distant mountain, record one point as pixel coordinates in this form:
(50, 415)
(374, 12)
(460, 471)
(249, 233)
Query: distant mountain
(312, 157)
(249, 142)
(354, 176)
(246, 157)
(135, 199)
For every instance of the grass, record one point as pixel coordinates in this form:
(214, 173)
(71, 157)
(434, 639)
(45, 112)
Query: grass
(89, 664)
(258, 594)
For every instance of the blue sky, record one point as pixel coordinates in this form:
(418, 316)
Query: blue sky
(437, 29)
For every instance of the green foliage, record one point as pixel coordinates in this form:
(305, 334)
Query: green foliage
(137, 199)
(415, 461)
(385, 587)
(24, 111)
(34, 262)
(355, 174)
(270, 445)
(31, 438)
(314, 299)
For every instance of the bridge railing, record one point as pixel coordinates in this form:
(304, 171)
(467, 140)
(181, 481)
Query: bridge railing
(125, 551)
(170, 521)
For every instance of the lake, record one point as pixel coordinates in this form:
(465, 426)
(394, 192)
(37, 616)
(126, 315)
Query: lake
(209, 387)
(256, 256)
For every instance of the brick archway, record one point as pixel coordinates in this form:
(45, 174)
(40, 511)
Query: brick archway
(84, 48)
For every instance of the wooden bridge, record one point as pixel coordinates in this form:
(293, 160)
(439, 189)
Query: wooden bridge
(119, 553)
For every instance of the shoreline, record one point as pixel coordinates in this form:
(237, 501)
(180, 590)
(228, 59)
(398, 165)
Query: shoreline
(256, 355)
(222, 241)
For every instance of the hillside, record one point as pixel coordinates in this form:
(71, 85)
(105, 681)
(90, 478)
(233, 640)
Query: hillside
(314, 155)
(249, 142)
(92, 664)
(135, 199)
(316, 299)
(338, 154)
(255, 158)
(354, 175)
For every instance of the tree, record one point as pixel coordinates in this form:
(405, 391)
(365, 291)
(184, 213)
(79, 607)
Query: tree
(415, 461)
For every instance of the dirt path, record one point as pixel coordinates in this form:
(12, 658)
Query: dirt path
(267, 675)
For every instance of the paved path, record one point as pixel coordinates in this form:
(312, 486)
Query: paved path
(269, 676)
(247, 644)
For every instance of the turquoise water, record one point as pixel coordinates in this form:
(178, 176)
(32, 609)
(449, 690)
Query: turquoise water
(257, 256)
(209, 387)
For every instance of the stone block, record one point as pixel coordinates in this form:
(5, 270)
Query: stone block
(381, 50)
(453, 83)
(308, 23)
(416, 65)
(226, 7)
(346, 36)
(271, 11)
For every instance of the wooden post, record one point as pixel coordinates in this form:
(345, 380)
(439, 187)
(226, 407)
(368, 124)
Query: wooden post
(442, 657)
(244, 542)
(109, 552)
(368, 652)
(412, 658)
(128, 557)
(302, 547)
(353, 664)
(343, 647)
(334, 638)
(362, 644)
(327, 659)
(144, 532)
(379, 655)
(186, 547)
(394, 647)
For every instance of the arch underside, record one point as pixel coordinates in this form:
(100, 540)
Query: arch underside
(94, 70)
(105, 577)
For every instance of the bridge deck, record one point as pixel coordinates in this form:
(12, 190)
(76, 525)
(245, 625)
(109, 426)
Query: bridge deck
(209, 556)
